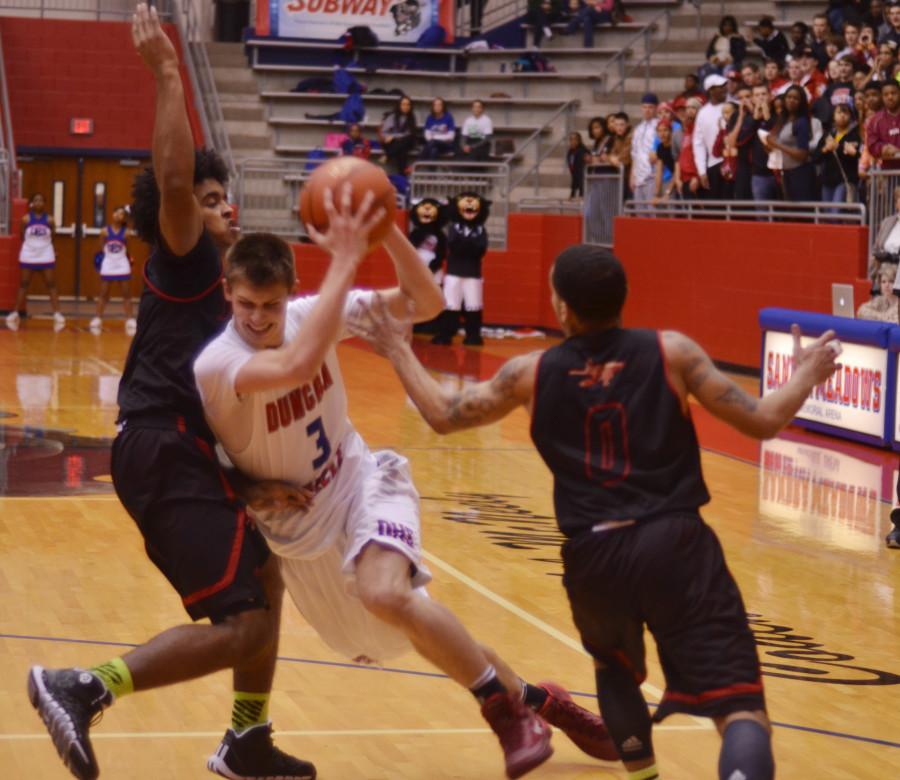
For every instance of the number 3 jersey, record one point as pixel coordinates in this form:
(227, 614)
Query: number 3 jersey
(300, 435)
(611, 428)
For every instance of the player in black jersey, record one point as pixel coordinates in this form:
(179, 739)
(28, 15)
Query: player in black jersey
(610, 418)
(165, 472)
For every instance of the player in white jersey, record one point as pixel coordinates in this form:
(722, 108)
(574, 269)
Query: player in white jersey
(114, 266)
(37, 254)
(351, 559)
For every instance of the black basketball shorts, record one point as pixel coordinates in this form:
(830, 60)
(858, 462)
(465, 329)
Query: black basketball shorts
(667, 573)
(195, 530)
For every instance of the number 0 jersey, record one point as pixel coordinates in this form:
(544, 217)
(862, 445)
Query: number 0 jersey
(300, 435)
(610, 427)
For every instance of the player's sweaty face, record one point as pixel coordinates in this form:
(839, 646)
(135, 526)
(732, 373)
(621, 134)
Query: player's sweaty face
(259, 312)
(218, 213)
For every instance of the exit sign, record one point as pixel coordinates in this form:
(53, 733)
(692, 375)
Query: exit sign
(79, 125)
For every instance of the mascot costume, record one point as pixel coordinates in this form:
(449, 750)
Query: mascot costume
(467, 243)
(429, 217)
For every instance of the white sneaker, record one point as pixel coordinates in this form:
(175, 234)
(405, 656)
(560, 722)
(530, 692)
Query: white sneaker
(96, 325)
(59, 322)
(12, 320)
(131, 326)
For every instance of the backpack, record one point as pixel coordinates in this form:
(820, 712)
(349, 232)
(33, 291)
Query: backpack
(353, 109)
(344, 82)
(362, 36)
(432, 37)
(314, 159)
(533, 63)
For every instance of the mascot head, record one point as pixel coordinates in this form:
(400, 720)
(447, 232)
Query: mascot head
(407, 16)
(429, 213)
(470, 207)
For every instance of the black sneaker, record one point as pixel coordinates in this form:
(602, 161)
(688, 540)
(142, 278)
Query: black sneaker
(893, 538)
(253, 756)
(69, 701)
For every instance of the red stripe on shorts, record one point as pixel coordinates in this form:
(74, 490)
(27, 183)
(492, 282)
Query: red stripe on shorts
(738, 689)
(230, 569)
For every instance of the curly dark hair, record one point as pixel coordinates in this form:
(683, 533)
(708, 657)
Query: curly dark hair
(145, 192)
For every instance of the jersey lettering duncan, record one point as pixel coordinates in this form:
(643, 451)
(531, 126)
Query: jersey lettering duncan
(295, 404)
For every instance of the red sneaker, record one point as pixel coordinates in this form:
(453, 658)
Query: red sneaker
(524, 737)
(582, 726)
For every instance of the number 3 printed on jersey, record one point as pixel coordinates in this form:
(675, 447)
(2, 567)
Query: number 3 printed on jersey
(606, 458)
(317, 428)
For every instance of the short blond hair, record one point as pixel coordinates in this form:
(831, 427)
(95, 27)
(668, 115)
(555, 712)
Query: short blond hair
(888, 270)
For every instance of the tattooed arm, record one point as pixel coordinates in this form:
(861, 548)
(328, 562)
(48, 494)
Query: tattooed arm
(692, 372)
(446, 410)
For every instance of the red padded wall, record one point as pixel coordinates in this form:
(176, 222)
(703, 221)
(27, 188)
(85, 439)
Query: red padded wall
(709, 279)
(59, 69)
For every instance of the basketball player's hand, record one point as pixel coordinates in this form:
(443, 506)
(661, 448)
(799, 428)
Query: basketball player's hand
(346, 238)
(274, 496)
(819, 357)
(151, 42)
(381, 329)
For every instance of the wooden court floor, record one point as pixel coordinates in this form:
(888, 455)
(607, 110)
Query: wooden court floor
(802, 521)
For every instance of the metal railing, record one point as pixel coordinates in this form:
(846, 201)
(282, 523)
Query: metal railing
(636, 53)
(717, 6)
(109, 10)
(267, 193)
(550, 206)
(569, 109)
(5, 194)
(817, 212)
(203, 82)
(604, 191)
(10, 176)
(439, 179)
(494, 14)
(880, 198)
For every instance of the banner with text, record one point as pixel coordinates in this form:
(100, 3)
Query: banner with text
(393, 21)
(853, 399)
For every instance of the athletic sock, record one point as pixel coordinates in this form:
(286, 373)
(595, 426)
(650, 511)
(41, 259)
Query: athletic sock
(647, 773)
(487, 685)
(116, 677)
(746, 752)
(533, 695)
(249, 710)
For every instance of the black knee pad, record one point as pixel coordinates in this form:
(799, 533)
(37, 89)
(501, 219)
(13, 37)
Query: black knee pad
(624, 711)
(746, 752)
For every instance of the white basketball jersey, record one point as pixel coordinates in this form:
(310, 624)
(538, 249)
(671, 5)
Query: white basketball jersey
(298, 435)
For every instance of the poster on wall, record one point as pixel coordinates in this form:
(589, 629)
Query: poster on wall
(393, 21)
(853, 399)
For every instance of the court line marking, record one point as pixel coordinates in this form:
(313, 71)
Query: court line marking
(291, 733)
(416, 673)
(533, 620)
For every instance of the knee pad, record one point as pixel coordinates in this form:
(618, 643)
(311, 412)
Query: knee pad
(746, 752)
(624, 711)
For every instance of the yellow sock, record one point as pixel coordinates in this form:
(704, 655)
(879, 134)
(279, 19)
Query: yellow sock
(647, 773)
(250, 709)
(116, 676)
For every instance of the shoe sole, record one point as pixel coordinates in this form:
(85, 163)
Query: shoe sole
(532, 762)
(892, 545)
(59, 726)
(216, 764)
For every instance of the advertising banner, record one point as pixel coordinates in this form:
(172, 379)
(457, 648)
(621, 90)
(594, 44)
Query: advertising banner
(393, 21)
(853, 399)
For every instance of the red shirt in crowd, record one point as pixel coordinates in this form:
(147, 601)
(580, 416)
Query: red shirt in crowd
(882, 129)
(686, 164)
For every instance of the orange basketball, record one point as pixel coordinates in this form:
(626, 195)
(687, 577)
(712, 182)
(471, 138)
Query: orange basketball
(363, 176)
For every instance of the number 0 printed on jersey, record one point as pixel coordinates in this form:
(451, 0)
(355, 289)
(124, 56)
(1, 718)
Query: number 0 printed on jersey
(606, 444)
(317, 428)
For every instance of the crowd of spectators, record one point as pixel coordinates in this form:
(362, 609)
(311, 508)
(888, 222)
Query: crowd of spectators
(439, 137)
(802, 114)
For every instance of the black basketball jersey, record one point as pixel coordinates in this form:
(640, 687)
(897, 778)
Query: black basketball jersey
(611, 429)
(182, 307)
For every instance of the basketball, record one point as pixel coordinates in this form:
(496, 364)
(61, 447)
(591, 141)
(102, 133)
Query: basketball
(363, 176)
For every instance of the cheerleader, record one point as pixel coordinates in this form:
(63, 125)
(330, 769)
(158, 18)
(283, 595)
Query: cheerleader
(114, 266)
